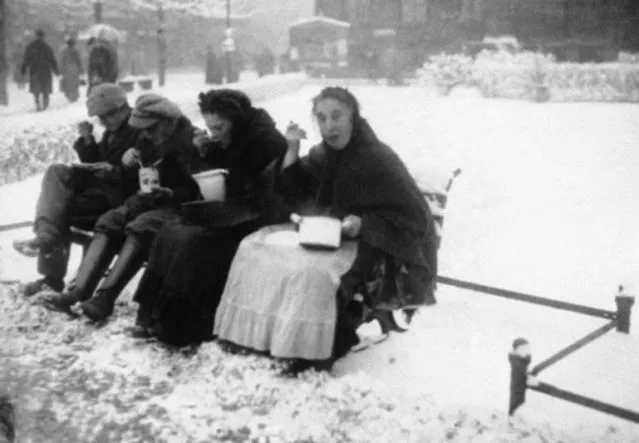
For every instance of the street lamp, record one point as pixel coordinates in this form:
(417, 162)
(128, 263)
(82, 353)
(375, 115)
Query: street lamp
(162, 46)
(228, 45)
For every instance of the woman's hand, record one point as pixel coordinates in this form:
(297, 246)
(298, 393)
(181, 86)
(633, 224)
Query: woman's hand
(86, 131)
(351, 225)
(294, 134)
(200, 138)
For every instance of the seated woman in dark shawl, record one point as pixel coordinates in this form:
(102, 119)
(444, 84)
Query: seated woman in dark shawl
(354, 177)
(189, 261)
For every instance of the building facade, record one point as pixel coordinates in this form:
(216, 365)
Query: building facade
(422, 27)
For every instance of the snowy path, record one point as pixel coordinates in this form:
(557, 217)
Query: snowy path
(546, 204)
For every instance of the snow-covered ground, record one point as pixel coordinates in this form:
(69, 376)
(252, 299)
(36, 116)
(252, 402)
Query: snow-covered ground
(546, 204)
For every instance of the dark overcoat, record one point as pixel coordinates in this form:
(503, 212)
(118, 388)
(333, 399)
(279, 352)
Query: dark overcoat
(39, 62)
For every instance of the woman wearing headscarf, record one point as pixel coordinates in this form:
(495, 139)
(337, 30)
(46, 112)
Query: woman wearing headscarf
(353, 176)
(189, 261)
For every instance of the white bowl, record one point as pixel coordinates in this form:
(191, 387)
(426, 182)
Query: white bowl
(319, 231)
(212, 184)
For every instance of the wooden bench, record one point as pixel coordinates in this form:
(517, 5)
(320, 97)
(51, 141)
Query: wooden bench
(127, 85)
(145, 83)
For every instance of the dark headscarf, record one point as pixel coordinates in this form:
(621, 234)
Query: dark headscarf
(255, 141)
(230, 104)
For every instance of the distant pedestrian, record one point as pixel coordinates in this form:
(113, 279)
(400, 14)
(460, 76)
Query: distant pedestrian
(71, 68)
(138, 63)
(40, 63)
(16, 59)
(372, 64)
(213, 67)
(103, 63)
(395, 67)
(7, 419)
(265, 63)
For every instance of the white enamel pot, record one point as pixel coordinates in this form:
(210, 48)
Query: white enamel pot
(212, 184)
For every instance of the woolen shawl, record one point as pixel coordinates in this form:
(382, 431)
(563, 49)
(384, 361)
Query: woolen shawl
(367, 178)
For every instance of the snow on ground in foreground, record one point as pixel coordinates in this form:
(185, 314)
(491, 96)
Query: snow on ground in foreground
(546, 204)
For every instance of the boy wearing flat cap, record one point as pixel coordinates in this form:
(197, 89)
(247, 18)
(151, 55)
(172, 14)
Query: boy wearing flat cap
(77, 195)
(127, 231)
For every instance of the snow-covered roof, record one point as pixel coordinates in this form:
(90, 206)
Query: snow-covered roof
(320, 19)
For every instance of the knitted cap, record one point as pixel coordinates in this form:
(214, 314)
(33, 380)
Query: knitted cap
(104, 98)
(151, 108)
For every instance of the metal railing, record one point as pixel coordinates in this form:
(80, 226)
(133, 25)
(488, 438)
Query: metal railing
(522, 378)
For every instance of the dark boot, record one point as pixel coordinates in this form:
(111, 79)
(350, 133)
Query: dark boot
(28, 248)
(94, 264)
(53, 260)
(129, 262)
(41, 285)
(52, 264)
(45, 101)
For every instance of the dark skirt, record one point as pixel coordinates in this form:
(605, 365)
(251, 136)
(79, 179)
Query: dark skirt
(181, 288)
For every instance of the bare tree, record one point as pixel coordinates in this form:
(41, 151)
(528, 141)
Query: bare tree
(4, 60)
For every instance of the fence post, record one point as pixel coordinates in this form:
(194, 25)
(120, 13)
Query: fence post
(519, 358)
(624, 310)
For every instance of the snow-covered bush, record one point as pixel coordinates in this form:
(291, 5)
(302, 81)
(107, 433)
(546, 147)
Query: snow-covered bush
(608, 82)
(628, 57)
(534, 76)
(447, 71)
(32, 150)
(520, 75)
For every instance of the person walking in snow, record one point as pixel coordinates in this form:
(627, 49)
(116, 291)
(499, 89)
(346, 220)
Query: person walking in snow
(40, 64)
(71, 68)
(213, 67)
(372, 64)
(103, 63)
(18, 55)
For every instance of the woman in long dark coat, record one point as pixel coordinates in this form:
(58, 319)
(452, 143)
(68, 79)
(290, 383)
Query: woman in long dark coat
(189, 261)
(40, 63)
(102, 64)
(71, 67)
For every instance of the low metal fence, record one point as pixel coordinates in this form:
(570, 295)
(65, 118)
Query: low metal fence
(522, 379)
